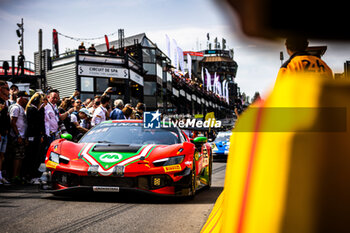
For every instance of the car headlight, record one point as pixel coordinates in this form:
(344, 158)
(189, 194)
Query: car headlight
(169, 161)
(54, 157)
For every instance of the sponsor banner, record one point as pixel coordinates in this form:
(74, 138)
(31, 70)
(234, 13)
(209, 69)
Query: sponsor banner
(51, 164)
(104, 60)
(172, 168)
(191, 53)
(103, 71)
(136, 77)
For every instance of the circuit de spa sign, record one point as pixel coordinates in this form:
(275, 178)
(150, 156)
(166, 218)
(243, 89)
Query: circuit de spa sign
(102, 71)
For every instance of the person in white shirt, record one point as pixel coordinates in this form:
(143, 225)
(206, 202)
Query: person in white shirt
(101, 113)
(52, 116)
(18, 133)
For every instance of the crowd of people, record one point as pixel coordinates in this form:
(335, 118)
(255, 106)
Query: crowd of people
(29, 123)
(195, 84)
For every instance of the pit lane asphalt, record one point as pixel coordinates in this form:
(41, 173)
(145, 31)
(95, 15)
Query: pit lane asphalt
(25, 209)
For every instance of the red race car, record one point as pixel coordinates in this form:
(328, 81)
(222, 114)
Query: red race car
(122, 155)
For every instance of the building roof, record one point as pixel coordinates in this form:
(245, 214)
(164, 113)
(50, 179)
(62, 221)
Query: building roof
(217, 59)
(128, 41)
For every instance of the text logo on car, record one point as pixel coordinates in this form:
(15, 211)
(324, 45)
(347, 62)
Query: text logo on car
(151, 120)
(110, 157)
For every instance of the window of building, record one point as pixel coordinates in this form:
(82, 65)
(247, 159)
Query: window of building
(149, 55)
(84, 96)
(150, 88)
(151, 102)
(159, 71)
(150, 68)
(101, 84)
(87, 84)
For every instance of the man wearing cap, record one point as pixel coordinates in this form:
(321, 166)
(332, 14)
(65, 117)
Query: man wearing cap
(13, 94)
(82, 115)
(82, 123)
(18, 133)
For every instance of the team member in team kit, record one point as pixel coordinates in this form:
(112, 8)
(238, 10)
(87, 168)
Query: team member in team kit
(302, 61)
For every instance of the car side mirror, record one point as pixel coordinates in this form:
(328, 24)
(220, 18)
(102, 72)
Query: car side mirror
(67, 136)
(200, 140)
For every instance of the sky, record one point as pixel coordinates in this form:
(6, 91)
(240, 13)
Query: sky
(186, 21)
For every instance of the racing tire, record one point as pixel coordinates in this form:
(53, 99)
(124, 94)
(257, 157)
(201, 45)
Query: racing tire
(210, 171)
(193, 182)
(210, 167)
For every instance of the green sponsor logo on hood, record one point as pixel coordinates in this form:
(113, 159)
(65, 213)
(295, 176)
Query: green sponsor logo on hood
(110, 157)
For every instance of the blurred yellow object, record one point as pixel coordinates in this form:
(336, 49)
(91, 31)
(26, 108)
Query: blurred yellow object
(288, 168)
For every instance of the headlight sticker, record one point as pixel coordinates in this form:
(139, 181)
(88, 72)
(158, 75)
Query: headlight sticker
(51, 164)
(172, 168)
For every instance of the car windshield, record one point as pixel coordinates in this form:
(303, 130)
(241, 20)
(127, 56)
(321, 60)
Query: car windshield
(131, 133)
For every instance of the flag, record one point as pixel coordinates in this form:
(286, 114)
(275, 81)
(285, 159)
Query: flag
(202, 76)
(55, 43)
(219, 88)
(226, 91)
(107, 42)
(168, 45)
(189, 65)
(216, 79)
(175, 54)
(208, 79)
(223, 88)
(181, 59)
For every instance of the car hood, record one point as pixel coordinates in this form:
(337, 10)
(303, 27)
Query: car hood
(221, 143)
(106, 156)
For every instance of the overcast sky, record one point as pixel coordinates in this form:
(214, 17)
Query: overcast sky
(186, 21)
